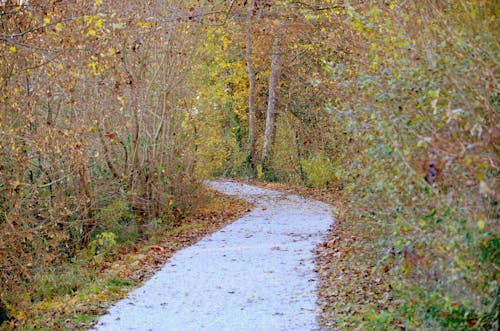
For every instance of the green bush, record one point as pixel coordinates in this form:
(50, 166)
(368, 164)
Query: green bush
(103, 244)
(118, 219)
(319, 171)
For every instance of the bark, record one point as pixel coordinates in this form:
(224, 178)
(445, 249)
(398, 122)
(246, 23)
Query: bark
(89, 223)
(299, 156)
(135, 150)
(107, 155)
(251, 95)
(271, 101)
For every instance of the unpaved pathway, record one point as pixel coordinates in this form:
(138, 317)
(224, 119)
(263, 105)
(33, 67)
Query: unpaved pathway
(255, 274)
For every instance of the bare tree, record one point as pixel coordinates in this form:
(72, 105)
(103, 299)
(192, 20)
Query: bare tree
(271, 101)
(252, 91)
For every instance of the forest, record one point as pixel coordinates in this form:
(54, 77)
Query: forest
(113, 113)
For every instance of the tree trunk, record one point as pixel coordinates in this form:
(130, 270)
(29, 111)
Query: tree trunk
(271, 101)
(89, 222)
(251, 96)
(299, 154)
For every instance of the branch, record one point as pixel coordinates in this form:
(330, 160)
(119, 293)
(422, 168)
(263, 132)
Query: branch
(318, 8)
(9, 37)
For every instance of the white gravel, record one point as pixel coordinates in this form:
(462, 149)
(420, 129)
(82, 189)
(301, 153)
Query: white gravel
(255, 274)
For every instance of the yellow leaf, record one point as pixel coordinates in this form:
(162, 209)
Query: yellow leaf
(46, 20)
(20, 315)
(59, 27)
(421, 143)
(479, 176)
(93, 65)
(12, 49)
(480, 224)
(91, 32)
(98, 24)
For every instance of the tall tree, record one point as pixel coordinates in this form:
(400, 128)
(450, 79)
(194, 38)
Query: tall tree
(272, 95)
(252, 89)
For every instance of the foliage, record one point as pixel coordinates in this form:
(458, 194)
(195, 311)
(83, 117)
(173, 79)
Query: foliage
(72, 296)
(318, 170)
(397, 102)
(422, 155)
(219, 111)
(93, 100)
(103, 244)
(117, 218)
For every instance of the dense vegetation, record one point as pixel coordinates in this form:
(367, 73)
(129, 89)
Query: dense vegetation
(114, 112)
(94, 153)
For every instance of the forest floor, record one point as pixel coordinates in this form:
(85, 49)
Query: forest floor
(255, 274)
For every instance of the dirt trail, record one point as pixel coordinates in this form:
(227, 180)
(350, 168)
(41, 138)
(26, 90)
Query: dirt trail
(254, 274)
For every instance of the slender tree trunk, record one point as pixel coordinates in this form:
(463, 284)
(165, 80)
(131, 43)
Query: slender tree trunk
(271, 101)
(299, 155)
(251, 95)
(135, 148)
(89, 223)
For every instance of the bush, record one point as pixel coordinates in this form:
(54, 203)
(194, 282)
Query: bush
(410, 104)
(103, 244)
(319, 171)
(118, 218)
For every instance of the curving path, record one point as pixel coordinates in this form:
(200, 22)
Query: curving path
(255, 274)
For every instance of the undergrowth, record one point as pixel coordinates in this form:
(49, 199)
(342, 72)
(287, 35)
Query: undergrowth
(71, 296)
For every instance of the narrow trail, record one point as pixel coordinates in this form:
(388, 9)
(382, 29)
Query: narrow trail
(255, 274)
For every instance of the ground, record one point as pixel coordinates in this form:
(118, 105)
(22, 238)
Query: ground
(256, 273)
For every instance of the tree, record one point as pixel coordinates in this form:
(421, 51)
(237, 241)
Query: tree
(272, 95)
(94, 98)
(252, 88)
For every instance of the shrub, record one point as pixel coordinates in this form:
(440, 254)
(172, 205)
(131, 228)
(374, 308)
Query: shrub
(319, 171)
(118, 218)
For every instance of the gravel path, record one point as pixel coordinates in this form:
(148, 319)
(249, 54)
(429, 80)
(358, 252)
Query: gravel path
(255, 274)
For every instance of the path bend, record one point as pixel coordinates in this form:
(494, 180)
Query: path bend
(254, 274)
